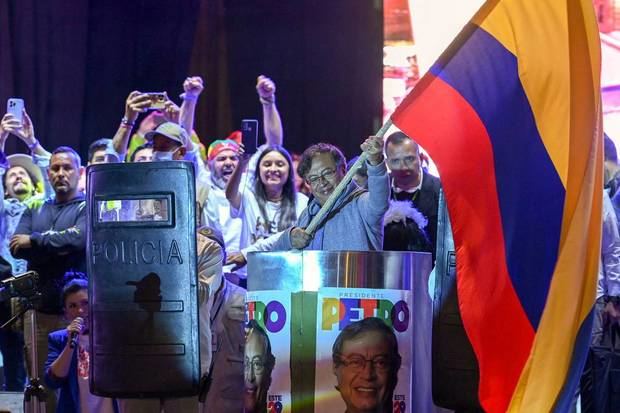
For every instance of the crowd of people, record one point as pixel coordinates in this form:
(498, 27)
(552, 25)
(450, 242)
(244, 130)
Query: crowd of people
(244, 203)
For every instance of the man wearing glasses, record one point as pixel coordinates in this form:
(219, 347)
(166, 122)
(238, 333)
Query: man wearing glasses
(366, 363)
(258, 365)
(355, 222)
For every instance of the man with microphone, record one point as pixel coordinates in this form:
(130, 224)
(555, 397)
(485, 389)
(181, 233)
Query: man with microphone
(67, 365)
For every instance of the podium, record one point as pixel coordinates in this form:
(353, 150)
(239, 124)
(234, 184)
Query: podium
(303, 301)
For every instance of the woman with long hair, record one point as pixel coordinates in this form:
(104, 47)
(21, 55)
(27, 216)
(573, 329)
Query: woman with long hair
(269, 202)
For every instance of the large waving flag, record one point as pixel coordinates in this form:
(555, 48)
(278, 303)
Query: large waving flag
(510, 115)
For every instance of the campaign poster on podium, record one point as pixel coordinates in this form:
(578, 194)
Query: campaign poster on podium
(364, 350)
(268, 352)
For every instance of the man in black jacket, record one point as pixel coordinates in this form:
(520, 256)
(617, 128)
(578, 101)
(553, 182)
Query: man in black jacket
(51, 236)
(411, 224)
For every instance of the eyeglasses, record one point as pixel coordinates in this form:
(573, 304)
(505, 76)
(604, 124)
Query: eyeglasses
(358, 363)
(255, 364)
(326, 175)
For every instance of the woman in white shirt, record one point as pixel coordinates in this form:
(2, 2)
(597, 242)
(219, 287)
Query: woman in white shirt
(269, 202)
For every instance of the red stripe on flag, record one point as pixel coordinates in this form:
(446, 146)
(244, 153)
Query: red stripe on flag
(442, 122)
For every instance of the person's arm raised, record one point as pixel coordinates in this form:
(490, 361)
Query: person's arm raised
(192, 88)
(378, 197)
(5, 125)
(272, 124)
(232, 188)
(135, 104)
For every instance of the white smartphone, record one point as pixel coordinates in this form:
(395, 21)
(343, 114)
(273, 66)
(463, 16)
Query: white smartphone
(15, 106)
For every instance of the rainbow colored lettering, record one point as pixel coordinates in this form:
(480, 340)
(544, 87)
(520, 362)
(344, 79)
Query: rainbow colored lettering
(271, 317)
(341, 312)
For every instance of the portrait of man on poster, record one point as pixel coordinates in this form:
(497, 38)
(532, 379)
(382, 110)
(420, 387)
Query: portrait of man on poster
(258, 364)
(366, 362)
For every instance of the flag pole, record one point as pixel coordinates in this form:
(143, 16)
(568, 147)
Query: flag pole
(340, 188)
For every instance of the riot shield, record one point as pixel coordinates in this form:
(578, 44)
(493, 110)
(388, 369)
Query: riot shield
(141, 260)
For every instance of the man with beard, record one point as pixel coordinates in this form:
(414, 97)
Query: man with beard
(366, 363)
(419, 190)
(222, 158)
(22, 182)
(51, 236)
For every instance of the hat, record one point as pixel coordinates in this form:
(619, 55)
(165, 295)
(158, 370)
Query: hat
(221, 145)
(171, 131)
(25, 161)
(236, 136)
(213, 234)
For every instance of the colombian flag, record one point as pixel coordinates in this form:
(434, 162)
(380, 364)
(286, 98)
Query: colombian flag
(510, 114)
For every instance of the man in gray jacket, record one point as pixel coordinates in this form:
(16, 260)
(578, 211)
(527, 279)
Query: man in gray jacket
(355, 222)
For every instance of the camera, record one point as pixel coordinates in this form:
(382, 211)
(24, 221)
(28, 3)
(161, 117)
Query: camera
(21, 285)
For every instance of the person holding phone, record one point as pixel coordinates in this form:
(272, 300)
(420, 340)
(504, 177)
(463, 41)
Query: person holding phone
(23, 128)
(139, 102)
(135, 104)
(21, 183)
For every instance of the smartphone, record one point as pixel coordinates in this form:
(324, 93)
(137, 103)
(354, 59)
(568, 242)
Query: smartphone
(158, 100)
(249, 135)
(15, 106)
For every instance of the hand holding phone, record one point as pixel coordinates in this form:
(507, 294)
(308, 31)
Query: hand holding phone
(17, 122)
(15, 107)
(249, 135)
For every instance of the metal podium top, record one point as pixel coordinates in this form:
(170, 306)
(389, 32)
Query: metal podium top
(311, 270)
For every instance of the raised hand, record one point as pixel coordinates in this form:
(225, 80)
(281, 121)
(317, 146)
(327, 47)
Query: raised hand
(265, 88)
(136, 103)
(171, 111)
(5, 125)
(23, 130)
(373, 146)
(193, 87)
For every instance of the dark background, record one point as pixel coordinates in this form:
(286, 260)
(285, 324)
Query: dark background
(75, 61)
